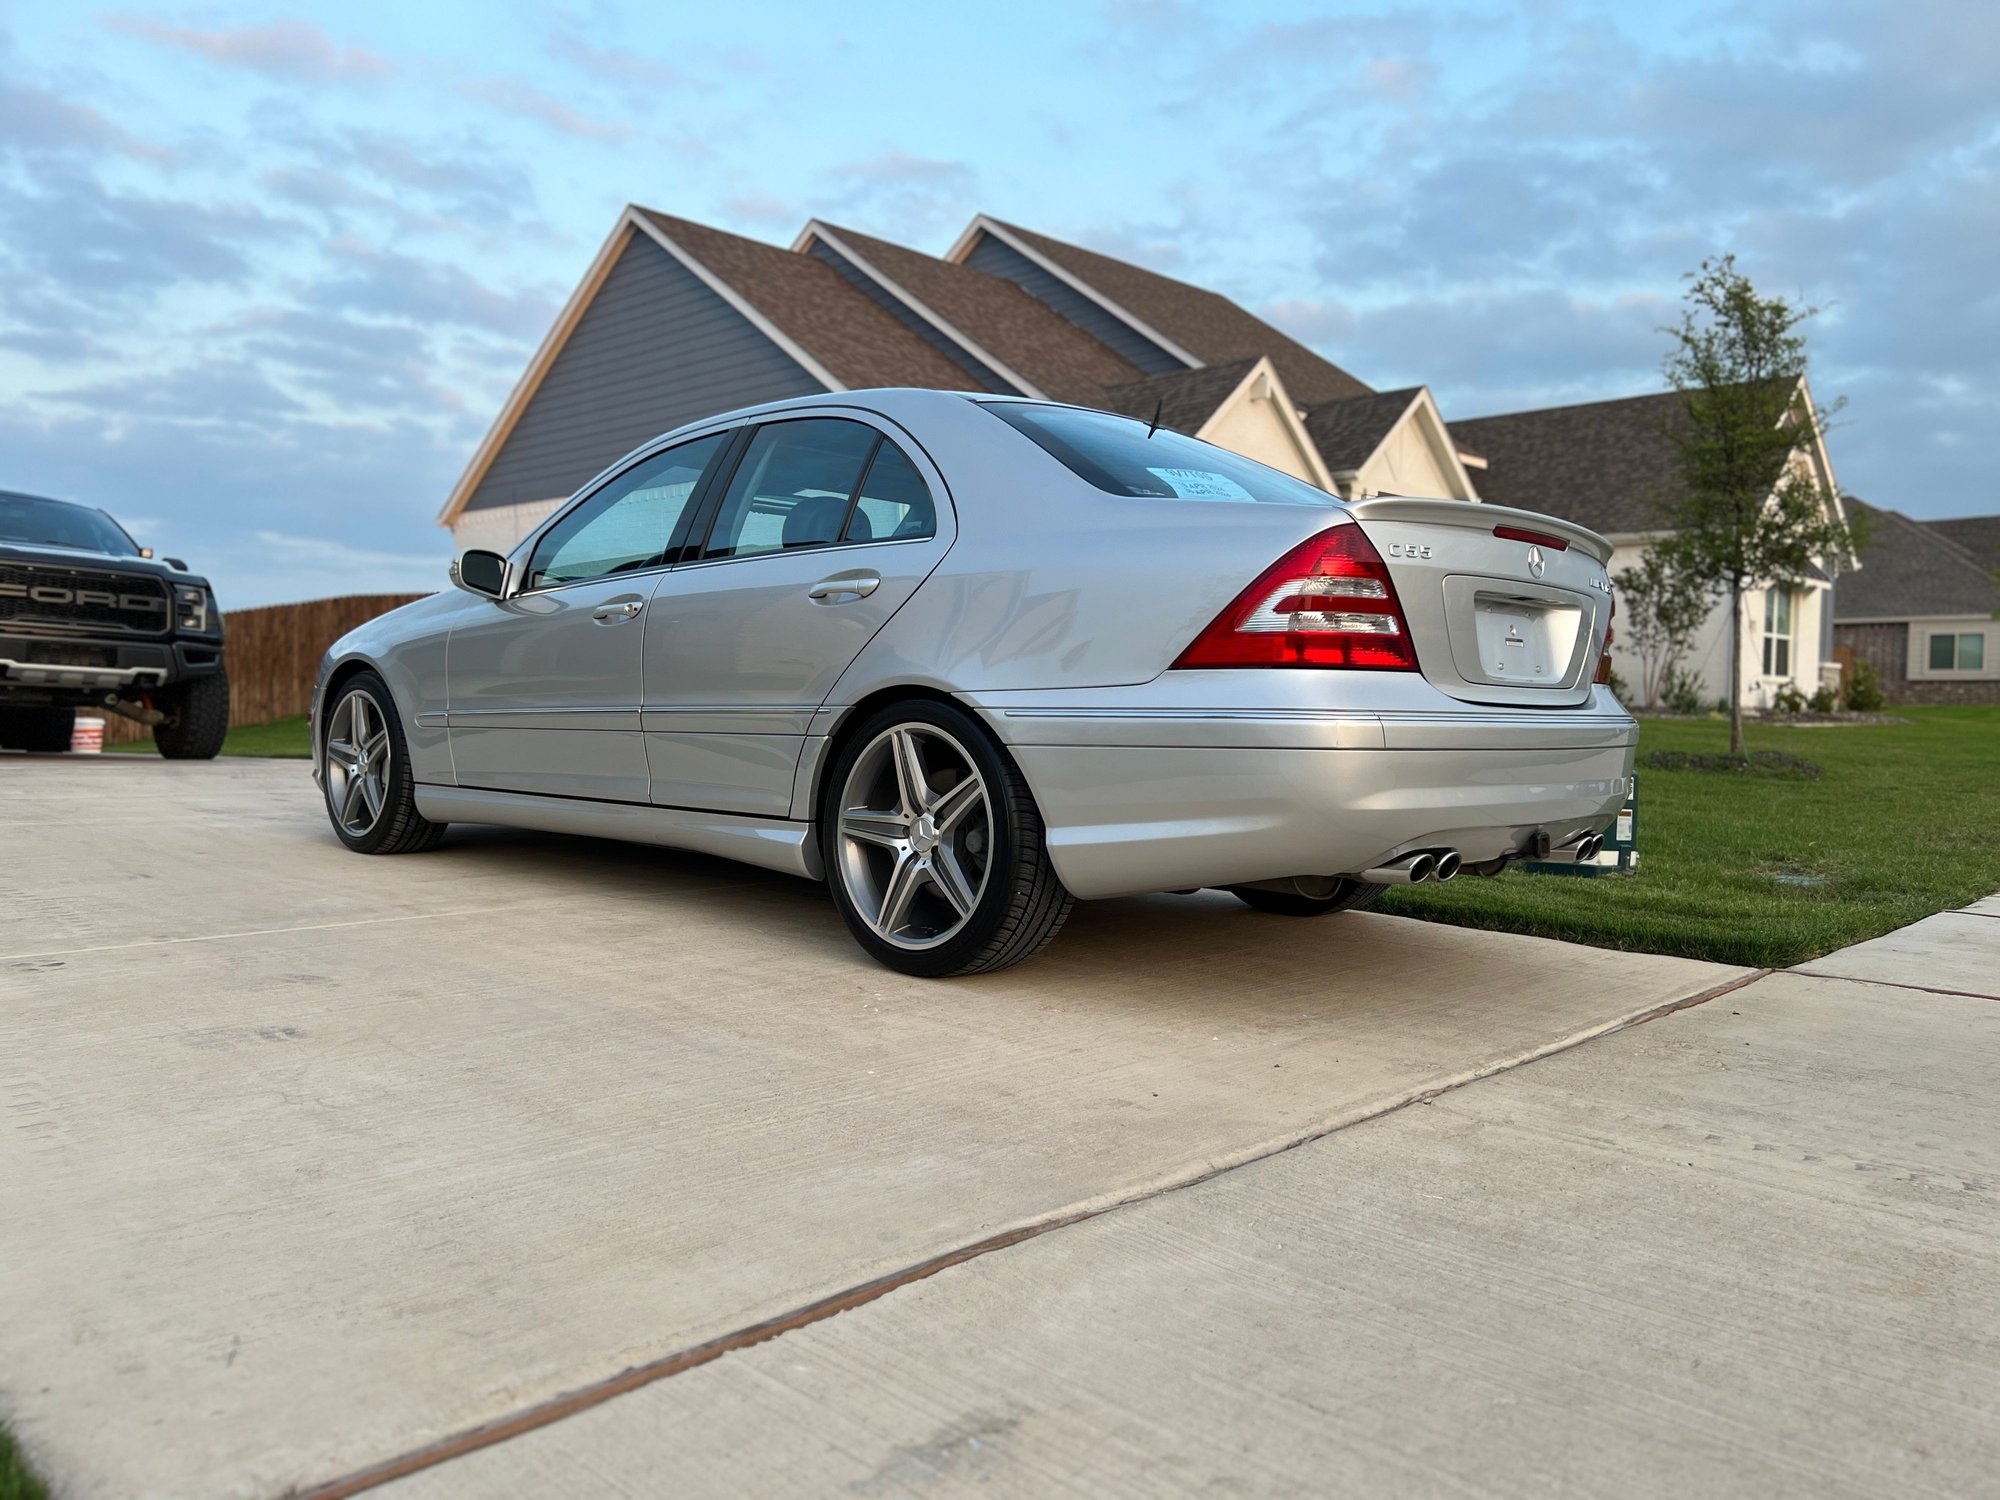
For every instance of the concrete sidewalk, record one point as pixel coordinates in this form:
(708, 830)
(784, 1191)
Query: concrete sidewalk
(1750, 1249)
(316, 1160)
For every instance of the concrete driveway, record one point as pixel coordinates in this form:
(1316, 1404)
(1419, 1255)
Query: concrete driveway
(322, 1169)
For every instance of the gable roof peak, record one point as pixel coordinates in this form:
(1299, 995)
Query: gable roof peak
(1186, 321)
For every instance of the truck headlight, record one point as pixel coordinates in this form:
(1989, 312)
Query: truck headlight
(190, 607)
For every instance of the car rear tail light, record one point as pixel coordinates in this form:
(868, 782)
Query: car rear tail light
(1326, 603)
(1536, 538)
(1604, 662)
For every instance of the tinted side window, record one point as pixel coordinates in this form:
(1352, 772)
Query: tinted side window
(792, 488)
(895, 504)
(628, 524)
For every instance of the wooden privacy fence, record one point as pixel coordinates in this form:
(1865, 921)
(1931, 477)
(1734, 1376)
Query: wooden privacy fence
(273, 655)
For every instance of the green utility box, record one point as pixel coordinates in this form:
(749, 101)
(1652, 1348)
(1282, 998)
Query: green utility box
(1619, 856)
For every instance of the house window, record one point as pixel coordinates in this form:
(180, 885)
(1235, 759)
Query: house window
(1778, 633)
(1959, 653)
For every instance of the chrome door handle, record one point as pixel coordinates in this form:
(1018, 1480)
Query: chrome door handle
(860, 585)
(623, 611)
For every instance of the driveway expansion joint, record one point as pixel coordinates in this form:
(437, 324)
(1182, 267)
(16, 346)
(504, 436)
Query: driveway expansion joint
(1894, 984)
(570, 1403)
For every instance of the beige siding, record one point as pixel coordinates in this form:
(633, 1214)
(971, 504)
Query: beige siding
(497, 528)
(1707, 656)
(1919, 669)
(1251, 425)
(1408, 464)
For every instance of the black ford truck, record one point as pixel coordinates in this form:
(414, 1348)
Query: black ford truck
(91, 620)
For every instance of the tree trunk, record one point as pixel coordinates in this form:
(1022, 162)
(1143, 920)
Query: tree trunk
(1735, 666)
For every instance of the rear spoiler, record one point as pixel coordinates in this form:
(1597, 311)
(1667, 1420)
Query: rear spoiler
(1482, 516)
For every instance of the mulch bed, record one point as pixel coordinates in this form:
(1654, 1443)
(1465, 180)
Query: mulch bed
(1772, 763)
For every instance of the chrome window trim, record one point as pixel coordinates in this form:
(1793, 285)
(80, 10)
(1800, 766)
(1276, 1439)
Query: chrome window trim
(577, 583)
(889, 427)
(881, 425)
(817, 549)
(524, 549)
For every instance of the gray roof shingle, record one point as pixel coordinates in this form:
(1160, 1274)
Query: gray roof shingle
(1206, 324)
(1908, 571)
(1347, 432)
(1608, 465)
(1185, 399)
(817, 307)
(1979, 535)
(1016, 328)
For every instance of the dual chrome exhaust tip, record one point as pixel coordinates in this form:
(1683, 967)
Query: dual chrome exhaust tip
(1581, 850)
(1415, 869)
(1443, 864)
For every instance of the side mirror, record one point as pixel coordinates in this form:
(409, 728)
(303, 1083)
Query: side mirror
(481, 573)
(175, 563)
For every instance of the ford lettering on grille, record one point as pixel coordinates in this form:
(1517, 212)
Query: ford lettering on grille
(84, 601)
(41, 593)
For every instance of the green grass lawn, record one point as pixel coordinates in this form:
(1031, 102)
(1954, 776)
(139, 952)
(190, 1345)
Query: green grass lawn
(17, 1481)
(1905, 822)
(289, 738)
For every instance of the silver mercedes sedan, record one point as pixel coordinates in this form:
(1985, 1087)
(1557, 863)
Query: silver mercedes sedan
(970, 659)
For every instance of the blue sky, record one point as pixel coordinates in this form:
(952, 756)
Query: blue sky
(266, 274)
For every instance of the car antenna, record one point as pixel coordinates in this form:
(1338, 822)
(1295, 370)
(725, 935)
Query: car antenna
(1154, 425)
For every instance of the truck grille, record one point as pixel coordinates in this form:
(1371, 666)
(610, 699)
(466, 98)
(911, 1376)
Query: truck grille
(82, 599)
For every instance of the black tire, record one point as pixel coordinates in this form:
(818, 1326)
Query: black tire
(1351, 896)
(43, 731)
(197, 719)
(1023, 903)
(398, 828)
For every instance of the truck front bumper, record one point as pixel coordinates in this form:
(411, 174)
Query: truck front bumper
(82, 664)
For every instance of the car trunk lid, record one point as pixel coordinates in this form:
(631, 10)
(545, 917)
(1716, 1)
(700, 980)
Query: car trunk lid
(1503, 605)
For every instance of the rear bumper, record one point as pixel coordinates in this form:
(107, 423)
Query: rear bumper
(1161, 801)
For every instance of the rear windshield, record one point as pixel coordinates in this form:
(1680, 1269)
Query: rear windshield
(1115, 454)
(57, 523)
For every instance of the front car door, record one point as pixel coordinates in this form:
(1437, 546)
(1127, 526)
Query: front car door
(825, 528)
(544, 684)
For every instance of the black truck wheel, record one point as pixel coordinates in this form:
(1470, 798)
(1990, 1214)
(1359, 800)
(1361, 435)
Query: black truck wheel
(197, 718)
(43, 730)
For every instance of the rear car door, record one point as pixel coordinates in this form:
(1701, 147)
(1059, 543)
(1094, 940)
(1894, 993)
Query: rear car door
(544, 684)
(824, 529)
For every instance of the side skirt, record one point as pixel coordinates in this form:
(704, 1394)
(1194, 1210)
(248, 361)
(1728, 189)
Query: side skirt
(772, 843)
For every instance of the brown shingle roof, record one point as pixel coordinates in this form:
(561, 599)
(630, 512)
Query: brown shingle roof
(1979, 535)
(1185, 399)
(1347, 432)
(1608, 465)
(1908, 570)
(1206, 324)
(813, 304)
(1016, 328)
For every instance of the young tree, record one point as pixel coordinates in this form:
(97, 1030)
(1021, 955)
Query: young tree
(1752, 513)
(1660, 607)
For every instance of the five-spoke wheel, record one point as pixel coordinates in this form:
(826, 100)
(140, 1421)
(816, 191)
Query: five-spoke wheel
(933, 846)
(916, 834)
(357, 763)
(365, 769)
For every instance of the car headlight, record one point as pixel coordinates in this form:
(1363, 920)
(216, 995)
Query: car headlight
(190, 607)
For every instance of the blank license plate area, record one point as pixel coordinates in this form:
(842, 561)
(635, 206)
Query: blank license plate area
(1524, 640)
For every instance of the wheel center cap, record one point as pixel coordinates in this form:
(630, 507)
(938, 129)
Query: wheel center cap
(924, 834)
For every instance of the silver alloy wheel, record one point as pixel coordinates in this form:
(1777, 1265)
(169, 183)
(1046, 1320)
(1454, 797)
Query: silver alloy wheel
(357, 763)
(915, 836)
